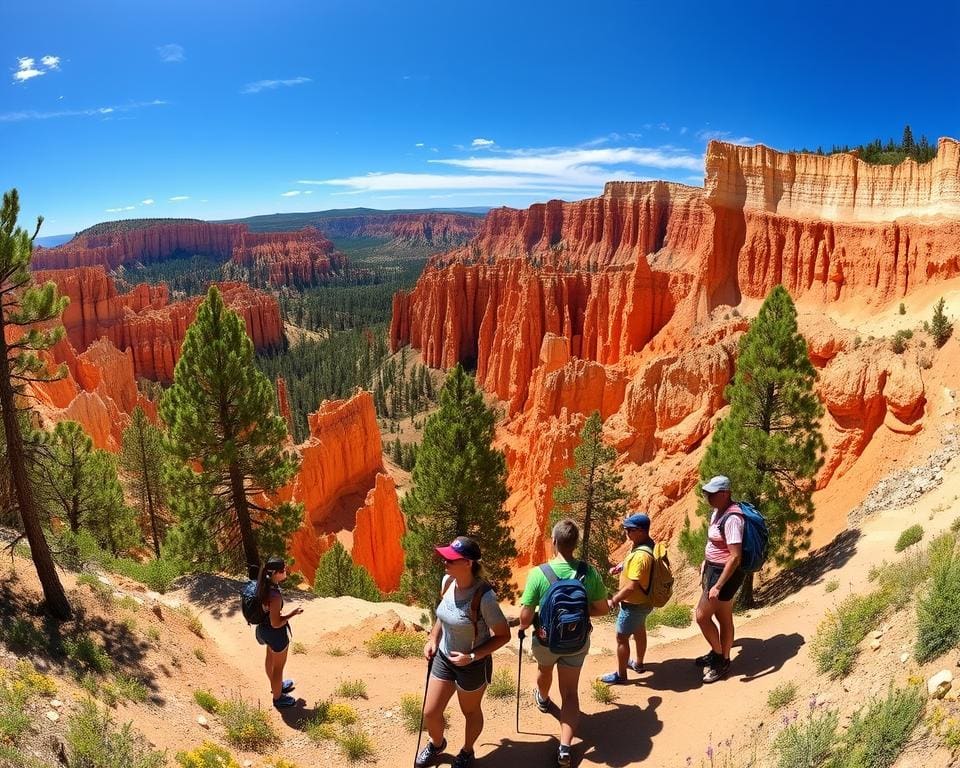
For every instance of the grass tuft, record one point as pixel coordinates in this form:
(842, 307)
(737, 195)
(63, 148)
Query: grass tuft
(601, 692)
(908, 538)
(247, 727)
(502, 686)
(356, 745)
(782, 695)
(352, 689)
(672, 615)
(397, 645)
(94, 741)
(207, 755)
(207, 701)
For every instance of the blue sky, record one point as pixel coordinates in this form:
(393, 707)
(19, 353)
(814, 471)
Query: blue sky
(220, 109)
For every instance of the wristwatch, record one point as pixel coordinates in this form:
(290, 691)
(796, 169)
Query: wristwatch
(473, 656)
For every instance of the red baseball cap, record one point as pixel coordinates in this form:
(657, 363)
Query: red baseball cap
(461, 548)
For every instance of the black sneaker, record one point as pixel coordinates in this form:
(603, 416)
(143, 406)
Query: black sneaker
(716, 671)
(463, 760)
(543, 704)
(564, 759)
(707, 659)
(429, 754)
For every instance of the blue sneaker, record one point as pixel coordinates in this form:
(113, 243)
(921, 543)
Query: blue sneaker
(284, 702)
(288, 685)
(613, 678)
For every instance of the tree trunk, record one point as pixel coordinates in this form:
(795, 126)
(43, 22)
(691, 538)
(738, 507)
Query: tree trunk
(146, 482)
(53, 593)
(250, 551)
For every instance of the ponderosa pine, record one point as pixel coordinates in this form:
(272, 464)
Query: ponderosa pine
(142, 456)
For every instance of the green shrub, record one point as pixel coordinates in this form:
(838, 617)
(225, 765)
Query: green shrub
(337, 651)
(940, 327)
(94, 741)
(207, 701)
(878, 732)
(356, 745)
(14, 720)
(502, 686)
(341, 713)
(672, 615)
(337, 575)
(246, 727)
(938, 609)
(835, 644)
(692, 542)
(781, 696)
(806, 744)
(898, 343)
(395, 645)
(87, 654)
(298, 648)
(410, 705)
(207, 755)
(21, 634)
(909, 537)
(831, 586)
(352, 689)
(103, 592)
(602, 692)
(130, 689)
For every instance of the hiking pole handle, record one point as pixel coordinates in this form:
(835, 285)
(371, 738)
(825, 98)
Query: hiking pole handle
(423, 708)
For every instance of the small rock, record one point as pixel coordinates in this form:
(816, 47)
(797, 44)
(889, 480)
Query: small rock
(875, 644)
(939, 684)
(118, 595)
(157, 610)
(876, 634)
(202, 722)
(904, 658)
(247, 763)
(56, 704)
(172, 603)
(52, 716)
(105, 580)
(388, 714)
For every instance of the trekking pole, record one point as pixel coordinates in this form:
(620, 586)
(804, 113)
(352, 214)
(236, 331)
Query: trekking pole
(521, 634)
(423, 708)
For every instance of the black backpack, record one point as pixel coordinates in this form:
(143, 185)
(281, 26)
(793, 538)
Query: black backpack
(250, 606)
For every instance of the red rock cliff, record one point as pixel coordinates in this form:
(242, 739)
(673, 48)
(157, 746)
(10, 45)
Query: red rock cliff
(437, 229)
(289, 258)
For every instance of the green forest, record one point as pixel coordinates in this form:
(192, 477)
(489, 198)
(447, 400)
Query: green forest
(890, 152)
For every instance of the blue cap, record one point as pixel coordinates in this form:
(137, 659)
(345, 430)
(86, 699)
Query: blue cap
(638, 520)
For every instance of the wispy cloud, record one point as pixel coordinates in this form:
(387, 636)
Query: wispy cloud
(178, 198)
(481, 143)
(577, 170)
(291, 193)
(148, 201)
(27, 68)
(419, 144)
(728, 136)
(171, 53)
(31, 114)
(308, 191)
(121, 209)
(269, 85)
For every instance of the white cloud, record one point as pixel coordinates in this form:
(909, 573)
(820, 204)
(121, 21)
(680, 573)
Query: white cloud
(577, 170)
(308, 191)
(419, 144)
(148, 201)
(269, 85)
(121, 209)
(50, 62)
(171, 53)
(26, 70)
(178, 198)
(727, 136)
(481, 143)
(30, 114)
(291, 193)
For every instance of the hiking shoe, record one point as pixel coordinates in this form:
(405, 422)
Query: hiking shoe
(613, 678)
(564, 759)
(284, 702)
(288, 685)
(716, 671)
(543, 704)
(707, 659)
(638, 668)
(429, 754)
(463, 760)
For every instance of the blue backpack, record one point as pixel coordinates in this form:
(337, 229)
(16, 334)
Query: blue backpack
(756, 537)
(564, 614)
(250, 607)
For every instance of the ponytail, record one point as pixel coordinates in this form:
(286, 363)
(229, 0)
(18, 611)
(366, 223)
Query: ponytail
(262, 585)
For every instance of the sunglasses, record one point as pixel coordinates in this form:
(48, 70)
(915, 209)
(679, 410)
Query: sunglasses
(450, 562)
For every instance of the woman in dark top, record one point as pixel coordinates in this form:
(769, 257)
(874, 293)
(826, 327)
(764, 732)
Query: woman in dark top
(274, 630)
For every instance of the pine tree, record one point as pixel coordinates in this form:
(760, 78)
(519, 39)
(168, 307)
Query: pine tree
(769, 445)
(25, 310)
(108, 518)
(459, 488)
(142, 455)
(908, 145)
(940, 327)
(592, 496)
(337, 575)
(229, 445)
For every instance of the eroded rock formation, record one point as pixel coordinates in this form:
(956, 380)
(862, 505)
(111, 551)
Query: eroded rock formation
(289, 258)
(436, 229)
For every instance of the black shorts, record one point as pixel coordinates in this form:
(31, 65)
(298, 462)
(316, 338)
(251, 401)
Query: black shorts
(277, 638)
(469, 678)
(711, 574)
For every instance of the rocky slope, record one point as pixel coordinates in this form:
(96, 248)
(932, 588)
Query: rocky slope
(630, 303)
(422, 228)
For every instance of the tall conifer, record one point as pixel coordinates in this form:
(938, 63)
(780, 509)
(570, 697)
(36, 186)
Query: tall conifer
(459, 488)
(222, 429)
(142, 455)
(770, 445)
(592, 496)
(24, 309)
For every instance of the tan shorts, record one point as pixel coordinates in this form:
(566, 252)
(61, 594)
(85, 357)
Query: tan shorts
(546, 658)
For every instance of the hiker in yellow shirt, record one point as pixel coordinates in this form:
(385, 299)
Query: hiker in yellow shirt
(632, 598)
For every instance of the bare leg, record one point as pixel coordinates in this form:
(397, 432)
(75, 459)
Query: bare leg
(568, 679)
(623, 653)
(705, 611)
(640, 638)
(544, 680)
(438, 694)
(725, 617)
(473, 714)
(276, 674)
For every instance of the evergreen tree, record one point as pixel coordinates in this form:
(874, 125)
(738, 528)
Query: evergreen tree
(25, 310)
(940, 327)
(142, 455)
(229, 444)
(591, 495)
(907, 143)
(459, 488)
(769, 445)
(337, 575)
(111, 522)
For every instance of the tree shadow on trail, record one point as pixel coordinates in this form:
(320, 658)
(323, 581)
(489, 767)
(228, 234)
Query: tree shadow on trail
(811, 569)
(220, 595)
(616, 737)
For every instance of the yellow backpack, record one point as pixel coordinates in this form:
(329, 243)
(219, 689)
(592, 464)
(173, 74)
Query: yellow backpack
(660, 588)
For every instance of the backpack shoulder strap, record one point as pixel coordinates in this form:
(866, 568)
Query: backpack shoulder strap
(581, 573)
(548, 571)
(445, 585)
(649, 549)
(475, 608)
(722, 519)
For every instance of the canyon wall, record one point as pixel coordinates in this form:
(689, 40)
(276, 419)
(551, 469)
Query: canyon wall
(146, 323)
(438, 229)
(630, 304)
(298, 258)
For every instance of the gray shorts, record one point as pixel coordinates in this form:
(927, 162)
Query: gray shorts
(547, 658)
(472, 677)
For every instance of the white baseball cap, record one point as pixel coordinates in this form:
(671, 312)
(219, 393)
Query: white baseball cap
(718, 483)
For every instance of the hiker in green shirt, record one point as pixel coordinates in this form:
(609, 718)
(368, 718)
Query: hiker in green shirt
(564, 565)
